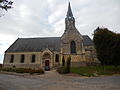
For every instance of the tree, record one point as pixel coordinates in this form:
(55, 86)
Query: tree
(116, 50)
(68, 64)
(107, 46)
(63, 61)
(5, 5)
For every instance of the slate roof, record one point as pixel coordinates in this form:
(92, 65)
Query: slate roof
(87, 40)
(39, 44)
(35, 44)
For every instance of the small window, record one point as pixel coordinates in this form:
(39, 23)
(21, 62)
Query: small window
(12, 59)
(56, 58)
(73, 47)
(33, 58)
(22, 58)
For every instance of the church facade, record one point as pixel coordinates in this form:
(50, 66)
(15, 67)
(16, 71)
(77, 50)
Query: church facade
(37, 53)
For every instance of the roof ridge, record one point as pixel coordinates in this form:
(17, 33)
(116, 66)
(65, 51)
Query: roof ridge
(38, 37)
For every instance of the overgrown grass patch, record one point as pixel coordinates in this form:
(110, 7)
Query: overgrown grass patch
(96, 70)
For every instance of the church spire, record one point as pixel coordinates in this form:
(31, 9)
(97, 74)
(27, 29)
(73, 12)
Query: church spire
(69, 15)
(69, 12)
(69, 20)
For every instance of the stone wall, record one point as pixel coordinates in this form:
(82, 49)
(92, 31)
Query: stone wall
(78, 64)
(27, 61)
(67, 37)
(39, 61)
(17, 57)
(90, 54)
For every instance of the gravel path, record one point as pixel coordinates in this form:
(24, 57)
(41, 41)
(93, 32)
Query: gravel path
(54, 81)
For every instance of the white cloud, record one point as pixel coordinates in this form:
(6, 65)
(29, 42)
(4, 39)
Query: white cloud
(46, 18)
(5, 42)
(24, 11)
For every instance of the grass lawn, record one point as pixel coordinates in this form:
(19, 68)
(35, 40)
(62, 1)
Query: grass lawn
(95, 70)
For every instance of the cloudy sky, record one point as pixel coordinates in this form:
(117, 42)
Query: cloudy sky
(45, 18)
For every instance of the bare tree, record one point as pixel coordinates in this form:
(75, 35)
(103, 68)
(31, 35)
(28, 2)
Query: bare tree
(5, 5)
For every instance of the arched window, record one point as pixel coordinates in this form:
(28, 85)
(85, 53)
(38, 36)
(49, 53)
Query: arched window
(56, 58)
(73, 47)
(22, 58)
(12, 59)
(33, 58)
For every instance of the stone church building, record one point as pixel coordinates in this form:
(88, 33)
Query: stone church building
(52, 51)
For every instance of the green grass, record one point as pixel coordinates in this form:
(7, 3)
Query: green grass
(95, 70)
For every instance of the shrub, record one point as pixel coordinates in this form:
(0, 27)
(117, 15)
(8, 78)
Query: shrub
(8, 69)
(62, 70)
(65, 69)
(40, 71)
(68, 64)
(23, 70)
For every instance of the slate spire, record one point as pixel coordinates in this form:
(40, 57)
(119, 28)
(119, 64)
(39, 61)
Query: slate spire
(69, 12)
(69, 20)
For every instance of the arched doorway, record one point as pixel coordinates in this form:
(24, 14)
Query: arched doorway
(46, 60)
(47, 63)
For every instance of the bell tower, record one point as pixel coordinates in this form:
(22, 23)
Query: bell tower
(69, 20)
(71, 40)
(72, 44)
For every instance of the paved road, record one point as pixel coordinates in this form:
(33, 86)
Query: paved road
(54, 81)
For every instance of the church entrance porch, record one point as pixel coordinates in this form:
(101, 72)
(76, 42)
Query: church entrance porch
(46, 61)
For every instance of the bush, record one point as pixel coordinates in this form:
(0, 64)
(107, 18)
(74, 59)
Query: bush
(8, 69)
(23, 70)
(65, 69)
(62, 70)
(39, 71)
(68, 64)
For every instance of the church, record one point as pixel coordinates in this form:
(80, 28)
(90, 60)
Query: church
(40, 52)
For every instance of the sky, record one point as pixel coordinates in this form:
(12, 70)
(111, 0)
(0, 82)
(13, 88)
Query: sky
(46, 18)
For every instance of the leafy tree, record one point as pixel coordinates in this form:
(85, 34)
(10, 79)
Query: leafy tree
(102, 41)
(107, 46)
(116, 50)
